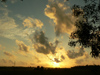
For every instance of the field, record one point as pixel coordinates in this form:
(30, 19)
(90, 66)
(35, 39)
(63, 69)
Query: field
(78, 70)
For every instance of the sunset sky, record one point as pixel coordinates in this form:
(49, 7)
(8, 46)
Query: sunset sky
(36, 33)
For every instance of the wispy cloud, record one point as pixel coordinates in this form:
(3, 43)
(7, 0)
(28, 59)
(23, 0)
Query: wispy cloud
(30, 22)
(3, 4)
(20, 17)
(79, 61)
(83, 59)
(64, 22)
(7, 61)
(13, 1)
(9, 54)
(38, 60)
(1, 48)
(23, 63)
(4, 61)
(9, 28)
(22, 46)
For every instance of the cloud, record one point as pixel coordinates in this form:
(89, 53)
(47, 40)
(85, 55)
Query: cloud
(4, 61)
(59, 60)
(9, 28)
(64, 22)
(13, 1)
(42, 45)
(82, 59)
(72, 54)
(65, 0)
(38, 60)
(23, 63)
(9, 54)
(86, 55)
(62, 57)
(32, 64)
(56, 60)
(20, 17)
(22, 46)
(3, 4)
(50, 0)
(30, 22)
(0, 47)
(7, 61)
(10, 61)
(79, 61)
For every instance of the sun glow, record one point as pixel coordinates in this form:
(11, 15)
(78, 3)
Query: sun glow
(55, 64)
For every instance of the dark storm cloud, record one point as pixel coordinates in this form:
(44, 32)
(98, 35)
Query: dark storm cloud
(42, 45)
(72, 54)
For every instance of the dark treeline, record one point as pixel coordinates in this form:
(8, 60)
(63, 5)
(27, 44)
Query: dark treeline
(77, 70)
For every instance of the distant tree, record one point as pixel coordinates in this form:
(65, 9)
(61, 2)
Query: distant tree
(87, 33)
(42, 68)
(38, 67)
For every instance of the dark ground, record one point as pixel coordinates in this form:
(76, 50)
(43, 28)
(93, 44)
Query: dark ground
(78, 70)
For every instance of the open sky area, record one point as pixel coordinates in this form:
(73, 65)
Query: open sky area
(36, 33)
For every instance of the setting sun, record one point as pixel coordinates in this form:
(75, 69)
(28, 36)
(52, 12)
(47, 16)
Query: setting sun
(55, 64)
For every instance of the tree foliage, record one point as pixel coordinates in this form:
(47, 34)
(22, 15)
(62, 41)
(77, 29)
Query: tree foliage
(87, 33)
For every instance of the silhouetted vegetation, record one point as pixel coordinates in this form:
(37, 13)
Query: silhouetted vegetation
(87, 33)
(39, 68)
(79, 70)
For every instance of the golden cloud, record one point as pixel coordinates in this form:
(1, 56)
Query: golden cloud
(64, 22)
(30, 22)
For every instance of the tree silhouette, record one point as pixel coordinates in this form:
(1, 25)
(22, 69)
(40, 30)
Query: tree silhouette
(87, 33)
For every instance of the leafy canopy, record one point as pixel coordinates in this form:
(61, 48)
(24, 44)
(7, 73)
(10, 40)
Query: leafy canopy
(87, 33)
